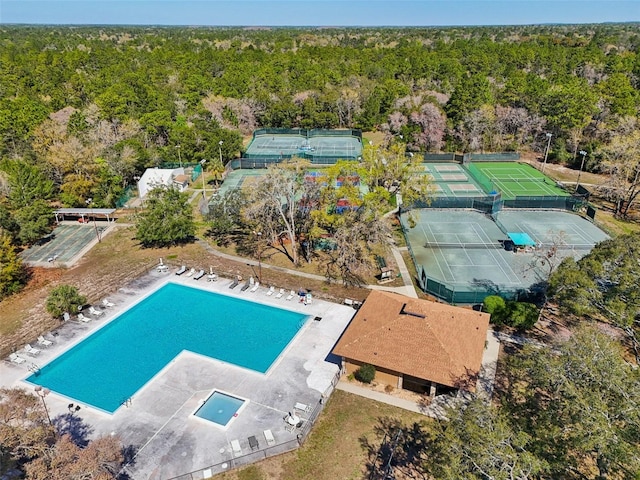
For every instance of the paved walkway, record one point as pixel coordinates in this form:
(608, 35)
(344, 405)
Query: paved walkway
(384, 398)
(487, 376)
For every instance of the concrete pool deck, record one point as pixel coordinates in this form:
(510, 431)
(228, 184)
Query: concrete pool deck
(157, 424)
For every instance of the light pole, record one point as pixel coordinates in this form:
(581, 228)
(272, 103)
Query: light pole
(546, 151)
(43, 392)
(259, 255)
(584, 155)
(220, 151)
(179, 157)
(204, 192)
(89, 202)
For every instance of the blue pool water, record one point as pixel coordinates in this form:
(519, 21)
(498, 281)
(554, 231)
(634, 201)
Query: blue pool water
(109, 366)
(219, 408)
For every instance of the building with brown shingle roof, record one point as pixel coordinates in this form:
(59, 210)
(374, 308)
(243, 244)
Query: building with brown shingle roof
(415, 344)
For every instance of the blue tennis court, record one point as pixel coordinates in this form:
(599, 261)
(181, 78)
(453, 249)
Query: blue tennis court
(108, 367)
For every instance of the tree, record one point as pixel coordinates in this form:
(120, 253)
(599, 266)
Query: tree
(35, 221)
(603, 284)
(479, 441)
(13, 274)
(26, 183)
(225, 215)
(101, 459)
(25, 432)
(167, 219)
(64, 299)
(273, 207)
(621, 160)
(389, 172)
(358, 237)
(27, 436)
(578, 401)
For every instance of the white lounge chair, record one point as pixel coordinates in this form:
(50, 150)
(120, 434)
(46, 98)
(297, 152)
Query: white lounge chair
(302, 407)
(106, 303)
(268, 436)
(17, 359)
(31, 350)
(308, 299)
(95, 311)
(211, 277)
(255, 287)
(66, 316)
(280, 293)
(191, 272)
(271, 290)
(235, 446)
(182, 269)
(199, 275)
(44, 342)
(291, 295)
(82, 318)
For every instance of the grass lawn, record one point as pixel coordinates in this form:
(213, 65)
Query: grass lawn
(335, 449)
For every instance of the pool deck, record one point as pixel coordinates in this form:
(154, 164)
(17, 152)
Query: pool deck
(157, 422)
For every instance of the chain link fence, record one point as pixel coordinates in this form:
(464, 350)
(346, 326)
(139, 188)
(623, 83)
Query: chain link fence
(261, 454)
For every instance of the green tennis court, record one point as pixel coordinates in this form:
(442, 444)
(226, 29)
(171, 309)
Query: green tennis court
(513, 179)
(462, 256)
(64, 245)
(287, 145)
(451, 180)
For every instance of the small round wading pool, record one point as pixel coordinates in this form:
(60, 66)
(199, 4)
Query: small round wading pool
(220, 408)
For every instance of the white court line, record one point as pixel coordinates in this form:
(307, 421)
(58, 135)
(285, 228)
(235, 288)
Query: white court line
(498, 259)
(444, 277)
(464, 249)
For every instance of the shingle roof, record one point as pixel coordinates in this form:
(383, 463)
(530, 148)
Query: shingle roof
(424, 339)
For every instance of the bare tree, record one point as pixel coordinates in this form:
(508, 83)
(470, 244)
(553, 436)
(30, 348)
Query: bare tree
(273, 207)
(621, 160)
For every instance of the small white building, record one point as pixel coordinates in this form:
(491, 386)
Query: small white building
(167, 177)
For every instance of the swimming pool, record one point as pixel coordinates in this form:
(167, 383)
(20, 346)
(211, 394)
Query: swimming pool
(109, 366)
(220, 408)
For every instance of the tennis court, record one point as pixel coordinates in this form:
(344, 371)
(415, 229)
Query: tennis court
(451, 180)
(64, 245)
(287, 145)
(547, 228)
(513, 179)
(462, 256)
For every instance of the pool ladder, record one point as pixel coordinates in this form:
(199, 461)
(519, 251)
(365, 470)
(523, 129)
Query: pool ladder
(127, 402)
(33, 367)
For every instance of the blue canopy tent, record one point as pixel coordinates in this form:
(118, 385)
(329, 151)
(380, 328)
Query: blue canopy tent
(521, 239)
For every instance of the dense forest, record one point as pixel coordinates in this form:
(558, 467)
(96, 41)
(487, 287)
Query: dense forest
(83, 110)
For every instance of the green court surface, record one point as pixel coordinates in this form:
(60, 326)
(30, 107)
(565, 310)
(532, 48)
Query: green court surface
(451, 180)
(289, 145)
(565, 230)
(462, 255)
(64, 245)
(513, 179)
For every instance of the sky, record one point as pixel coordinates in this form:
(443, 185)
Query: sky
(316, 12)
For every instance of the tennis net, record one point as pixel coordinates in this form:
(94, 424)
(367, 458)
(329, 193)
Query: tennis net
(519, 179)
(496, 246)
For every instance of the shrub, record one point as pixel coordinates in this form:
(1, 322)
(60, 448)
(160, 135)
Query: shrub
(521, 315)
(492, 303)
(64, 298)
(366, 373)
(388, 388)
